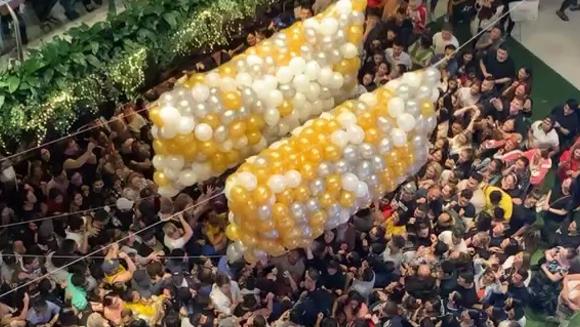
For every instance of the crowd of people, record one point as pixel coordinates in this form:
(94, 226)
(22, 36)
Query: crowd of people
(451, 247)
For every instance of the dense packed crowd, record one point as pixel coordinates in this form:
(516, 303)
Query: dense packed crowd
(452, 247)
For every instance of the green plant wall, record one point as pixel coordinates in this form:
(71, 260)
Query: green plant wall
(75, 74)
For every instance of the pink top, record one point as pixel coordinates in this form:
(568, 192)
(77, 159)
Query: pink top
(539, 166)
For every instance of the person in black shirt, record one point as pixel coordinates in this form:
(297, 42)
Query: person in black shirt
(333, 278)
(463, 206)
(466, 288)
(523, 215)
(499, 66)
(316, 300)
(566, 122)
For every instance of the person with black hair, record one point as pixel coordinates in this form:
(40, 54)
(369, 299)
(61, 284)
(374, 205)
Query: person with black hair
(567, 4)
(421, 51)
(314, 300)
(498, 65)
(397, 56)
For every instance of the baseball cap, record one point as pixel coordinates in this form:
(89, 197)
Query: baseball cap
(141, 283)
(124, 204)
(110, 267)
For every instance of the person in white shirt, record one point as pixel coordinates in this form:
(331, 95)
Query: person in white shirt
(176, 238)
(225, 294)
(444, 38)
(469, 96)
(396, 56)
(542, 135)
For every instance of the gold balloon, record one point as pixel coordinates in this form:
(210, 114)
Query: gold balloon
(371, 135)
(301, 193)
(285, 108)
(307, 171)
(354, 34)
(238, 195)
(255, 123)
(359, 5)
(227, 70)
(212, 120)
(237, 129)
(280, 212)
(161, 179)
(232, 100)
(208, 148)
(331, 152)
(160, 147)
(427, 109)
(333, 182)
(254, 137)
(233, 232)
(261, 194)
(326, 199)
(232, 157)
(347, 199)
(286, 197)
(155, 116)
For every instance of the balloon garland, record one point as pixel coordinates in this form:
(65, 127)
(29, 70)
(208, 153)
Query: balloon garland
(316, 179)
(213, 121)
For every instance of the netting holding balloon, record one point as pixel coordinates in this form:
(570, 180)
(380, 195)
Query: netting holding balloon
(316, 179)
(212, 122)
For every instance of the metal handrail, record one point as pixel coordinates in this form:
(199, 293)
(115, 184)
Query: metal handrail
(19, 48)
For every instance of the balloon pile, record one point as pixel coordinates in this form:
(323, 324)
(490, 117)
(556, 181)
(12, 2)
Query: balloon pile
(316, 179)
(211, 122)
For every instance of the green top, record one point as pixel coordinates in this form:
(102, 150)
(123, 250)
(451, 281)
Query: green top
(77, 294)
(420, 56)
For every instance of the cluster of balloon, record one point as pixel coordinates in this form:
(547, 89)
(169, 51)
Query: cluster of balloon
(316, 179)
(211, 122)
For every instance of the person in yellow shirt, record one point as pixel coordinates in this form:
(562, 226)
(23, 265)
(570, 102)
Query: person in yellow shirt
(496, 197)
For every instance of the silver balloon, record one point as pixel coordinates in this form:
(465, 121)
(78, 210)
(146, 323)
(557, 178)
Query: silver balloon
(306, 231)
(324, 169)
(340, 37)
(273, 234)
(358, 18)
(201, 110)
(316, 187)
(344, 216)
(341, 167)
(241, 65)
(261, 162)
(404, 91)
(256, 70)
(248, 96)
(228, 117)
(418, 142)
(264, 212)
(243, 112)
(363, 170)
(335, 56)
(287, 90)
(431, 123)
(214, 91)
(325, 93)
(350, 153)
(234, 252)
(412, 107)
(258, 107)
(334, 211)
(312, 205)
(384, 125)
(372, 180)
(321, 58)
(378, 163)
(424, 92)
(220, 134)
(365, 201)
(213, 100)
(297, 210)
(431, 76)
(385, 146)
(366, 150)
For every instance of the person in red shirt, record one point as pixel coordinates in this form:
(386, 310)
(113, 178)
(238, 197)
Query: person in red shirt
(570, 162)
(418, 14)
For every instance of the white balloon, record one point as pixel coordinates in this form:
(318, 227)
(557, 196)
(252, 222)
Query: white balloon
(349, 50)
(300, 83)
(186, 125)
(412, 79)
(299, 100)
(297, 65)
(271, 116)
(396, 106)
(293, 178)
(158, 161)
(254, 60)
(312, 70)
(227, 84)
(370, 99)
(344, 7)
(277, 183)
(259, 87)
(244, 79)
(337, 81)
(339, 138)
(200, 92)
(406, 122)
(362, 189)
(325, 76)
(271, 82)
(313, 91)
(187, 177)
(169, 115)
(349, 182)
(274, 99)
(168, 132)
(356, 134)
(203, 132)
(167, 191)
(174, 162)
(247, 180)
(399, 137)
(328, 26)
(212, 79)
(284, 75)
(346, 119)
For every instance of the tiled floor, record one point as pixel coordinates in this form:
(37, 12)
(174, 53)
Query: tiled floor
(554, 41)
